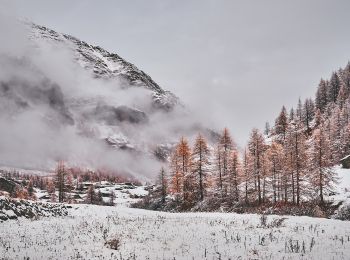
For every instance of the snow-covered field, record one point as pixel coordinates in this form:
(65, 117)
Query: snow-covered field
(157, 235)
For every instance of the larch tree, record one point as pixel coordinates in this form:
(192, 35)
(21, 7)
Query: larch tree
(176, 183)
(226, 147)
(50, 186)
(342, 96)
(61, 181)
(335, 135)
(346, 139)
(265, 175)
(299, 157)
(218, 168)
(257, 147)
(183, 159)
(322, 177)
(290, 160)
(275, 154)
(246, 175)
(318, 118)
(234, 168)
(201, 163)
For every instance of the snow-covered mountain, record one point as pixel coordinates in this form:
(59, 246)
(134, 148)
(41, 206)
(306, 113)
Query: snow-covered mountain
(106, 65)
(63, 89)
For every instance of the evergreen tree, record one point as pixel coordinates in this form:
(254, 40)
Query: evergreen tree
(299, 110)
(334, 87)
(267, 128)
(308, 113)
(291, 114)
(345, 78)
(163, 184)
(322, 95)
(281, 125)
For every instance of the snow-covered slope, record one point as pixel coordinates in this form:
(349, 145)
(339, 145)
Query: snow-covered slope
(341, 196)
(342, 188)
(63, 91)
(105, 64)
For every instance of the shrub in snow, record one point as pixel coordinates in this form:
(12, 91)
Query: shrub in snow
(113, 243)
(343, 212)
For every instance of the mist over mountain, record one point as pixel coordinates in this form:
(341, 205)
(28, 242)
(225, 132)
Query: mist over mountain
(63, 99)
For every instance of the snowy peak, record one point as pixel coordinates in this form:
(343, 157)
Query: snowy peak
(106, 65)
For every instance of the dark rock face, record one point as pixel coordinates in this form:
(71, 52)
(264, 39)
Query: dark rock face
(115, 115)
(21, 93)
(7, 185)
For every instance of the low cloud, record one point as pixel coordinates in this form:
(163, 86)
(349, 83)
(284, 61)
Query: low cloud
(46, 102)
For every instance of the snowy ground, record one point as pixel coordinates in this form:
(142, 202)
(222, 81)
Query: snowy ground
(343, 187)
(156, 235)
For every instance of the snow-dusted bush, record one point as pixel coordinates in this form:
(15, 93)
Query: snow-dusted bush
(113, 243)
(343, 212)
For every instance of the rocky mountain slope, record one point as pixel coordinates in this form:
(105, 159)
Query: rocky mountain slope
(65, 91)
(107, 65)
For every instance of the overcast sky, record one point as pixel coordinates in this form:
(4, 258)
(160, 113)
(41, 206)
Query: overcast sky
(237, 62)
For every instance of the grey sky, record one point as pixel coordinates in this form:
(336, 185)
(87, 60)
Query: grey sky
(235, 62)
